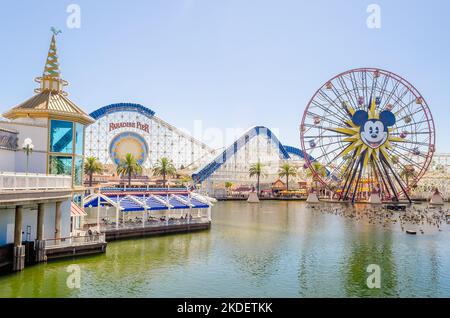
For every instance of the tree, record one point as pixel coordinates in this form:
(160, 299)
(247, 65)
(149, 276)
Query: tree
(228, 185)
(287, 170)
(164, 167)
(91, 166)
(128, 166)
(319, 169)
(257, 170)
(407, 173)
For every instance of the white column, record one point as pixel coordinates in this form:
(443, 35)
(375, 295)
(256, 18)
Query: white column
(98, 212)
(190, 207)
(117, 212)
(209, 213)
(58, 221)
(144, 213)
(168, 211)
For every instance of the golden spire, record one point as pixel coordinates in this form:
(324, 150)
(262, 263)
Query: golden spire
(51, 78)
(52, 66)
(50, 100)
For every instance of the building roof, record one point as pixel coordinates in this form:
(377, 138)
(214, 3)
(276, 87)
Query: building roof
(50, 100)
(75, 210)
(134, 203)
(278, 181)
(49, 104)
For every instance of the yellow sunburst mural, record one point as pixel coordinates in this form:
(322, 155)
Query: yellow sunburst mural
(368, 133)
(369, 138)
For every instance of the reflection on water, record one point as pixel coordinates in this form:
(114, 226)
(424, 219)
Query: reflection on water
(272, 249)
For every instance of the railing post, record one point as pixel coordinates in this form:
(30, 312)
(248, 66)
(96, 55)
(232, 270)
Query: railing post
(209, 213)
(117, 212)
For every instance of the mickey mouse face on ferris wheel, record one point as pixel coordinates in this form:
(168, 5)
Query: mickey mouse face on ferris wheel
(373, 132)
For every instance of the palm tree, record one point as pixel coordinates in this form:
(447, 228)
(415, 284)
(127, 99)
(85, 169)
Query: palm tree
(407, 173)
(127, 166)
(319, 169)
(164, 167)
(256, 169)
(91, 166)
(287, 170)
(228, 185)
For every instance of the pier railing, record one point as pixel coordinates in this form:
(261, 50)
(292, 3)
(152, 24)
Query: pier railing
(155, 223)
(15, 181)
(75, 241)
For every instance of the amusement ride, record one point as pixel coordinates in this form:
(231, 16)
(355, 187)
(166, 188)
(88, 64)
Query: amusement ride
(371, 131)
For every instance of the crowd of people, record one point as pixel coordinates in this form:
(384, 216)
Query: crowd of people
(411, 219)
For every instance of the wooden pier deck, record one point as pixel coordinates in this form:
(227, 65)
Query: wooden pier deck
(75, 246)
(75, 250)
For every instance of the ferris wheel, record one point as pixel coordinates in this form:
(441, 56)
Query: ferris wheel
(368, 130)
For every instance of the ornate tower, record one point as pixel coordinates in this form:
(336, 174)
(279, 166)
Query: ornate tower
(65, 122)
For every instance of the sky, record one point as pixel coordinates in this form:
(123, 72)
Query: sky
(224, 64)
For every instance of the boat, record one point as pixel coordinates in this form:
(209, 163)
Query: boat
(412, 232)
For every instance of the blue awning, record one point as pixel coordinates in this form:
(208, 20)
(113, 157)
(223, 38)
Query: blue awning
(150, 202)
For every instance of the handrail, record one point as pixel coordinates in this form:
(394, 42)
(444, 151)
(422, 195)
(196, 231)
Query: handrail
(33, 181)
(156, 223)
(75, 240)
(107, 189)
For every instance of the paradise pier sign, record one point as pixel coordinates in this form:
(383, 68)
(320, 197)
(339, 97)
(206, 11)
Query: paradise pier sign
(137, 125)
(133, 128)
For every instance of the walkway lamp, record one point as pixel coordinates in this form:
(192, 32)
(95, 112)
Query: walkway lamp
(28, 149)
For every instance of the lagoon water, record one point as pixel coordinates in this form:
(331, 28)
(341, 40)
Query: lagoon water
(271, 249)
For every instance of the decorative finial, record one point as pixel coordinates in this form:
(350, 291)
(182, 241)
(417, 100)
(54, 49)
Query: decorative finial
(51, 78)
(55, 31)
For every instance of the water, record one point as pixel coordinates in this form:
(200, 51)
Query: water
(274, 249)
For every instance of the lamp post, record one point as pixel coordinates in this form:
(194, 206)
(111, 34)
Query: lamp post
(28, 149)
